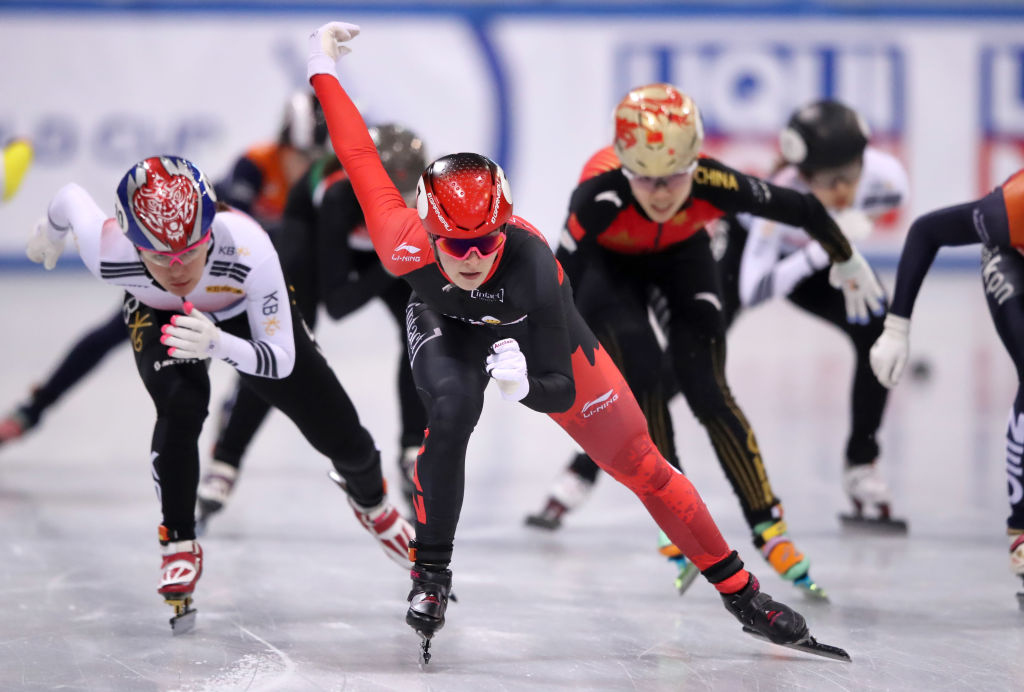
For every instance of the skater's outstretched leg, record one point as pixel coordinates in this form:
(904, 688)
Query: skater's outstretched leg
(84, 355)
(763, 617)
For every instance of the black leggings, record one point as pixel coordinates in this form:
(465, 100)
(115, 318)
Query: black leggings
(245, 411)
(84, 355)
(310, 396)
(612, 295)
(1002, 273)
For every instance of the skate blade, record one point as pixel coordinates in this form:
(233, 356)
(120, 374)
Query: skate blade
(888, 527)
(686, 578)
(812, 591)
(809, 645)
(424, 657)
(1020, 599)
(184, 616)
(541, 522)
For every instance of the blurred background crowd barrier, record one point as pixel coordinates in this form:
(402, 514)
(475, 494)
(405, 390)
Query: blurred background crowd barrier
(99, 85)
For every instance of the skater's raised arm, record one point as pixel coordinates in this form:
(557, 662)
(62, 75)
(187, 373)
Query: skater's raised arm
(390, 222)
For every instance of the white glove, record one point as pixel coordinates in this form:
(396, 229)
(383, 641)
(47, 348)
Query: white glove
(191, 335)
(889, 354)
(507, 365)
(854, 223)
(46, 244)
(860, 288)
(326, 47)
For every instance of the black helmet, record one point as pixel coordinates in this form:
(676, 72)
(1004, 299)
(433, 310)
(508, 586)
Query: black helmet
(304, 126)
(823, 134)
(403, 154)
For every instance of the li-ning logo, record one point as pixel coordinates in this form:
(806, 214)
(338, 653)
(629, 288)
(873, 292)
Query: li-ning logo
(600, 403)
(406, 247)
(497, 297)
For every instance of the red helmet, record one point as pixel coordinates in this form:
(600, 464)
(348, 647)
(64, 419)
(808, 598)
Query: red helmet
(463, 196)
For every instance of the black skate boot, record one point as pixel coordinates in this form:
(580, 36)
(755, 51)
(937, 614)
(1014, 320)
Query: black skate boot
(428, 600)
(775, 622)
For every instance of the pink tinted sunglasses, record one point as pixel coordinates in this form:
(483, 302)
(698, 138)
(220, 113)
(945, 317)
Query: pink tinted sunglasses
(459, 248)
(167, 259)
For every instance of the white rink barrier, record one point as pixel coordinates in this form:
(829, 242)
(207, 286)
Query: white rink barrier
(98, 90)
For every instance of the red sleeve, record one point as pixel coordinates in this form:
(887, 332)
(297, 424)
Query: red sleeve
(390, 223)
(603, 161)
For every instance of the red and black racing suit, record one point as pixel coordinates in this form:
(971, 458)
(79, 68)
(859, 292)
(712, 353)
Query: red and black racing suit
(571, 378)
(616, 256)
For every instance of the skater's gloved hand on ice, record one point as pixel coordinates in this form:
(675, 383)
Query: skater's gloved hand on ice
(327, 46)
(889, 354)
(191, 335)
(860, 288)
(46, 244)
(507, 365)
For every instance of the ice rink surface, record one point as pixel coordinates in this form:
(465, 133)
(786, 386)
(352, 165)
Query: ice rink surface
(295, 596)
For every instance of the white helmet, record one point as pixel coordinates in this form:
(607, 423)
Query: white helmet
(658, 130)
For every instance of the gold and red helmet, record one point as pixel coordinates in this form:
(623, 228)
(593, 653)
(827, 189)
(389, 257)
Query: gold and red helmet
(463, 196)
(658, 130)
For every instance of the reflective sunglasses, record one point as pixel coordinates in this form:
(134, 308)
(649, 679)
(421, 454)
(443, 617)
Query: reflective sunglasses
(650, 183)
(459, 248)
(828, 178)
(167, 259)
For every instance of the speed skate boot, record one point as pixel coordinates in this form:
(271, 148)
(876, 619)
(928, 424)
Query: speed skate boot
(686, 571)
(772, 539)
(181, 565)
(775, 622)
(1017, 559)
(385, 523)
(568, 493)
(15, 424)
(428, 601)
(407, 476)
(869, 494)
(214, 490)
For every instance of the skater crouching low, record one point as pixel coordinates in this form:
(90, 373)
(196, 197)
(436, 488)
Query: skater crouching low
(190, 297)
(491, 303)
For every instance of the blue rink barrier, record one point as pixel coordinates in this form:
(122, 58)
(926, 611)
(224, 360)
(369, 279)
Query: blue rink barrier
(482, 10)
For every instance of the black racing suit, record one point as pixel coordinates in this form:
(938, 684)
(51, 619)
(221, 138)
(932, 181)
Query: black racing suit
(616, 257)
(328, 260)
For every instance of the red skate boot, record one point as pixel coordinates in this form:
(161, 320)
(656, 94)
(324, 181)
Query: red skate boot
(182, 565)
(385, 523)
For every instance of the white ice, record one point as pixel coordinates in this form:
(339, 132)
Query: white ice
(295, 596)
